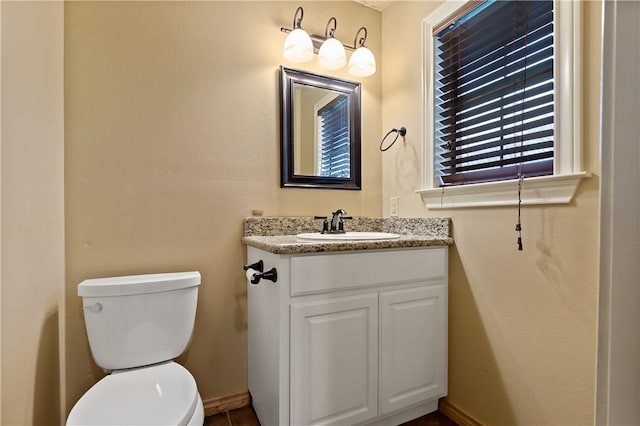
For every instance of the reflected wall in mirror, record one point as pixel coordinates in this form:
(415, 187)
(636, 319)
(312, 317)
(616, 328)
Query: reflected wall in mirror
(320, 130)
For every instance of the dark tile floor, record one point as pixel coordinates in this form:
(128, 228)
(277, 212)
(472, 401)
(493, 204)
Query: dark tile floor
(247, 417)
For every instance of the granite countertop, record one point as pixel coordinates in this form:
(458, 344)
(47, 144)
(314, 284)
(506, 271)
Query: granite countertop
(278, 234)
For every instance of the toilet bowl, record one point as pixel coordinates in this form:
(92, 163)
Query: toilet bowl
(165, 394)
(136, 325)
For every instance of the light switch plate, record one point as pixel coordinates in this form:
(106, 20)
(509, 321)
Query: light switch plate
(393, 206)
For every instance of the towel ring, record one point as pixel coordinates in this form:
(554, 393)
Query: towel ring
(399, 132)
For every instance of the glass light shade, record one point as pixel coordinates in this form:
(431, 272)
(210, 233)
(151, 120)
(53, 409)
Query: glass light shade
(332, 55)
(362, 62)
(298, 46)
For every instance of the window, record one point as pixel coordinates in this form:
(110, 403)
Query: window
(502, 102)
(334, 158)
(494, 93)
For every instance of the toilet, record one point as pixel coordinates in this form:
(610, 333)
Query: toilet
(136, 326)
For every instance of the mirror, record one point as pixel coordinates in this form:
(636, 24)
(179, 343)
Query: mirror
(320, 131)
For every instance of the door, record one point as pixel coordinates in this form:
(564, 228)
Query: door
(334, 361)
(618, 380)
(412, 346)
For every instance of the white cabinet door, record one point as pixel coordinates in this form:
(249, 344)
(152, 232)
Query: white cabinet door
(412, 346)
(334, 360)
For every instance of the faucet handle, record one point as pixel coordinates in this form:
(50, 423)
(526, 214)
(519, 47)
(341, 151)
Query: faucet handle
(341, 223)
(325, 224)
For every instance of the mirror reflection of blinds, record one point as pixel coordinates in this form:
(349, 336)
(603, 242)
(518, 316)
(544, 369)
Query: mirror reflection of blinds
(494, 93)
(333, 129)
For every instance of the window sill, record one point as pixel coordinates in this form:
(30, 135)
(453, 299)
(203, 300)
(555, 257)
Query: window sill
(556, 189)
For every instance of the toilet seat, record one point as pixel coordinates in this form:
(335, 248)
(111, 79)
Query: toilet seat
(163, 394)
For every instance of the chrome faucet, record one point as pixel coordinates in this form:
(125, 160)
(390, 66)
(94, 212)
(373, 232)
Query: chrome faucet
(335, 217)
(337, 225)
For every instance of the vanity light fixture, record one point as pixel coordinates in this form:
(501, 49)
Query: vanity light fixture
(300, 46)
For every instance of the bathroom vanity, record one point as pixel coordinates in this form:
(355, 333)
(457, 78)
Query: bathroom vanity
(350, 332)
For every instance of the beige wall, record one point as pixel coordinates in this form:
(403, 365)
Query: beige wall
(0, 212)
(32, 231)
(172, 137)
(522, 325)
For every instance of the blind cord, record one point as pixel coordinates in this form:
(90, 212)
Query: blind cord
(524, 97)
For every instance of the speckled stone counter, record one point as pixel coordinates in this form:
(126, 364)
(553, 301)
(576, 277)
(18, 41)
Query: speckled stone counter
(278, 234)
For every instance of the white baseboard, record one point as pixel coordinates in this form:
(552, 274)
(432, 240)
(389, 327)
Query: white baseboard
(225, 403)
(457, 414)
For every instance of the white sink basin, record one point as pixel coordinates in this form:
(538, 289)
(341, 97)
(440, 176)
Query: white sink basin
(348, 236)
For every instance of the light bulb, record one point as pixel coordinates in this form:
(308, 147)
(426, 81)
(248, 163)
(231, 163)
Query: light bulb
(332, 55)
(298, 46)
(362, 62)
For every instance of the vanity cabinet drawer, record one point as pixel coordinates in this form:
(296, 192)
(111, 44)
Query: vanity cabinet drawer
(319, 273)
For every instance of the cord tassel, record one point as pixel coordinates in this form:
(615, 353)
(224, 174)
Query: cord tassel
(519, 224)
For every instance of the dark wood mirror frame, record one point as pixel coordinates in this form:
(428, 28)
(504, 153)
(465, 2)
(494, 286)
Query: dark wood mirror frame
(352, 90)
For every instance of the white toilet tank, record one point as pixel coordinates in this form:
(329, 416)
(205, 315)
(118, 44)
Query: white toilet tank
(139, 320)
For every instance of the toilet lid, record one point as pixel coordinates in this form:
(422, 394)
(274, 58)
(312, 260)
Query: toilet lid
(165, 394)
